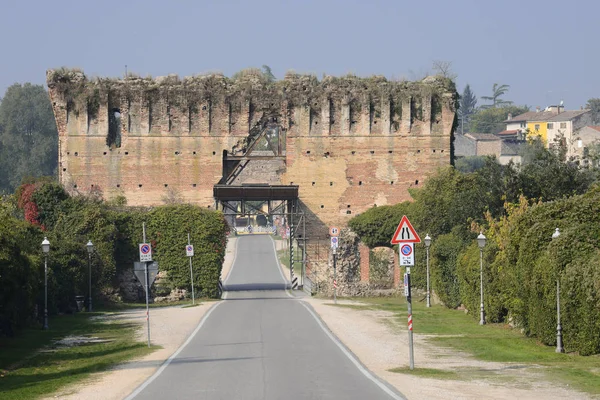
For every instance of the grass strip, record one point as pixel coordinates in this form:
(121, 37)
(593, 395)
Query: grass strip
(459, 331)
(31, 365)
(427, 372)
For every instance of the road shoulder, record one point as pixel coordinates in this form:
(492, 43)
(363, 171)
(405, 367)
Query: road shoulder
(169, 328)
(377, 341)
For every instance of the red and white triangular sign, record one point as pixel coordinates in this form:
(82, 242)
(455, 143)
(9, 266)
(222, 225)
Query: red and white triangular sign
(405, 233)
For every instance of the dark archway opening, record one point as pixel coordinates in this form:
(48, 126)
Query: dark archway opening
(113, 139)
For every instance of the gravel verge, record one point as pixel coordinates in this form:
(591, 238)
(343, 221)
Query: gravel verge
(381, 345)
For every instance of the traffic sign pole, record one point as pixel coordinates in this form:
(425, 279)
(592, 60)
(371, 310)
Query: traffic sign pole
(410, 325)
(405, 236)
(334, 277)
(146, 275)
(191, 274)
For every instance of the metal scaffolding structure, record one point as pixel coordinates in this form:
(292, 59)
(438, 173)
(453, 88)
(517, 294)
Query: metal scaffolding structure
(280, 200)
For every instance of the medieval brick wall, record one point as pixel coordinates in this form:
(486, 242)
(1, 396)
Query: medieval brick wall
(351, 143)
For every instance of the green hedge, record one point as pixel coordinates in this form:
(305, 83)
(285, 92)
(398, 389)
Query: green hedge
(116, 231)
(168, 227)
(521, 285)
(521, 260)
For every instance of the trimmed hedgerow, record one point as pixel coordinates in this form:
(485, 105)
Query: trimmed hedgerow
(167, 230)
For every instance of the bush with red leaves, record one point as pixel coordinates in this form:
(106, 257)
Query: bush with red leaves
(26, 203)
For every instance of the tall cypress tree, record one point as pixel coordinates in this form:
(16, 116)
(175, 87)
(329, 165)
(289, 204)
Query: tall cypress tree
(468, 104)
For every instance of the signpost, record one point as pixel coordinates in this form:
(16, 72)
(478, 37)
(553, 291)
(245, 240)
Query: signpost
(405, 236)
(334, 242)
(334, 232)
(189, 251)
(407, 255)
(145, 252)
(145, 258)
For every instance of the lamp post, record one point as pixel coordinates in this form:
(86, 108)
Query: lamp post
(559, 341)
(46, 250)
(90, 249)
(427, 244)
(481, 242)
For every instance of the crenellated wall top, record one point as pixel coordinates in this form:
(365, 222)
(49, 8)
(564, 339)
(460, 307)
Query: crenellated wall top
(73, 86)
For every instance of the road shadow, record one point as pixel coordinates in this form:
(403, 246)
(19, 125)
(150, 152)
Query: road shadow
(247, 287)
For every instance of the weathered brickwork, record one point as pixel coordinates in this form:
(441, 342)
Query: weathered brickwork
(350, 142)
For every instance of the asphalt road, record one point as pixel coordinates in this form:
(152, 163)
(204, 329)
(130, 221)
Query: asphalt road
(260, 343)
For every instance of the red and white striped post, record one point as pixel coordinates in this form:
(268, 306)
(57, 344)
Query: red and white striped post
(410, 325)
(334, 278)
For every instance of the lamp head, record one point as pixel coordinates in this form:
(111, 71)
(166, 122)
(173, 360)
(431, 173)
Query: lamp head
(45, 245)
(427, 241)
(481, 240)
(90, 246)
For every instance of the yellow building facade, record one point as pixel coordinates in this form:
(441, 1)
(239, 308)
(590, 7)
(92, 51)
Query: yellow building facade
(539, 128)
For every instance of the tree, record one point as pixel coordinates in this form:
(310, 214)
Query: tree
(540, 163)
(491, 120)
(444, 68)
(468, 104)
(497, 92)
(268, 73)
(28, 135)
(594, 105)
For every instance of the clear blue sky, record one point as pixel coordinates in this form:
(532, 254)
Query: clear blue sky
(546, 50)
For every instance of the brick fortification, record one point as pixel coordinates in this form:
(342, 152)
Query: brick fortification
(350, 143)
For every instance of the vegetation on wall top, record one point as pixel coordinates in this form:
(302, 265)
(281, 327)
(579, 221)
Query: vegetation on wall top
(254, 84)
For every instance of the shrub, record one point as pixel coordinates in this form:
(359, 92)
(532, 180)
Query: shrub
(445, 251)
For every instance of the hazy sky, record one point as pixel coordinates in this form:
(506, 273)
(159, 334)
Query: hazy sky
(546, 51)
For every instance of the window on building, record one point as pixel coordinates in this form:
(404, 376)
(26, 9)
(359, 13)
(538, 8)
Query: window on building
(536, 127)
(550, 125)
(523, 124)
(563, 125)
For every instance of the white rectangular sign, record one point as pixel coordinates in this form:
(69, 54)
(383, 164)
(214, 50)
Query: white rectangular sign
(334, 242)
(407, 254)
(145, 252)
(189, 250)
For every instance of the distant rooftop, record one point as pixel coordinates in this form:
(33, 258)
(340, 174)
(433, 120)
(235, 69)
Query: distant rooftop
(482, 136)
(547, 116)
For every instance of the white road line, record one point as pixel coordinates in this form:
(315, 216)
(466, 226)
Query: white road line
(352, 357)
(233, 261)
(235, 253)
(166, 363)
(285, 281)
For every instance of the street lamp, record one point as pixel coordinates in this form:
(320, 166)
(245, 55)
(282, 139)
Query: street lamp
(427, 244)
(481, 242)
(46, 250)
(90, 249)
(559, 341)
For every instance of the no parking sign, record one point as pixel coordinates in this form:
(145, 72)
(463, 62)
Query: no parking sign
(407, 255)
(189, 250)
(145, 252)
